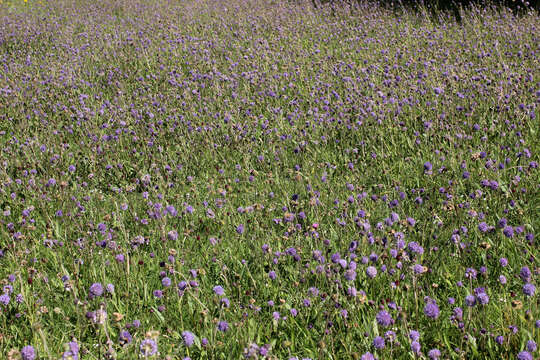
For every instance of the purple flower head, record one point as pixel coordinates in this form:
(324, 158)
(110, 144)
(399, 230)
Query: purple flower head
(96, 289)
(434, 354)
(431, 310)
(499, 339)
(371, 272)
(223, 326)
(188, 337)
(240, 229)
(525, 355)
(379, 343)
(470, 300)
(367, 356)
(166, 281)
(531, 346)
(508, 231)
(525, 273)
(529, 289)
(28, 353)
(415, 347)
(384, 318)
(172, 235)
(503, 262)
(125, 337)
(428, 166)
(218, 290)
(148, 347)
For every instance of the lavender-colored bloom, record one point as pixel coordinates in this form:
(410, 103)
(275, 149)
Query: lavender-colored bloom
(502, 279)
(525, 273)
(125, 337)
(470, 300)
(371, 272)
(431, 310)
(434, 354)
(414, 335)
(499, 339)
(148, 347)
(272, 275)
(96, 289)
(188, 337)
(482, 298)
(166, 281)
(28, 353)
(503, 262)
(531, 346)
(508, 231)
(367, 356)
(218, 290)
(172, 235)
(428, 166)
(240, 229)
(223, 326)
(384, 318)
(379, 343)
(529, 289)
(524, 355)
(415, 347)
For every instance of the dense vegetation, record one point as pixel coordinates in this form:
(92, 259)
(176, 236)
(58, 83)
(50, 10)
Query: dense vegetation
(263, 179)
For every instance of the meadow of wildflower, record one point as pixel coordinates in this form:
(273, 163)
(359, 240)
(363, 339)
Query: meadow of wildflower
(266, 180)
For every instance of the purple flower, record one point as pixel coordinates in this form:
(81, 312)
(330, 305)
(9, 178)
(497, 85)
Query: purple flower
(503, 262)
(525, 273)
(529, 289)
(125, 337)
(431, 310)
(384, 318)
(96, 289)
(531, 346)
(371, 272)
(367, 356)
(166, 281)
(415, 347)
(218, 290)
(148, 347)
(272, 275)
(378, 343)
(525, 355)
(223, 326)
(499, 339)
(172, 235)
(240, 229)
(28, 353)
(508, 231)
(434, 354)
(470, 300)
(483, 298)
(427, 166)
(189, 338)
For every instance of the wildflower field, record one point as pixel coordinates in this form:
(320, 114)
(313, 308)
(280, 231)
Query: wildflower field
(268, 180)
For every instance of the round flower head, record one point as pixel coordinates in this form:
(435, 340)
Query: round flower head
(218, 290)
(525, 355)
(470, 300)
(508, 231)
(189, 338)
(95, 290)
(531, 346)
(367, 356)
(529, 289)
(371, 272)
(525, 273)
(148, 347)
(431, 310)
(415, 347)
(125, 337)
(166, 281)
(483, 298)
(434, 354)
(28, 353)
(223, 326)
(384, 319)
(378, 343)
(499, 339)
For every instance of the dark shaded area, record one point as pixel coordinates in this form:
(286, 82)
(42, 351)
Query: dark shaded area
(436, 7)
